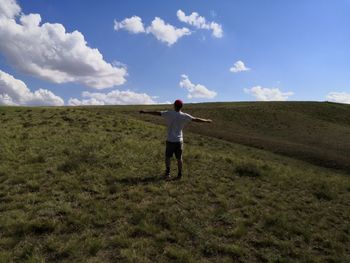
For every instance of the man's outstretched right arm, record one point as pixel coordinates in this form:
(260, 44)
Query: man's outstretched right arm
(157, 113)
(201, 120)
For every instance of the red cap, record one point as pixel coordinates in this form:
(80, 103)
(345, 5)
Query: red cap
(178, 103)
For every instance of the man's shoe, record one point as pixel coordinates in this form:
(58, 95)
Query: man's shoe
(167, 174)
(179, 176)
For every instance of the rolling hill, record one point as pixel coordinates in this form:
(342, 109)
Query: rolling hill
(84, 184)
(317, 132)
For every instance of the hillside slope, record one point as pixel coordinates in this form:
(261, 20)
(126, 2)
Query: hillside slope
(85, 185)
(311, 131)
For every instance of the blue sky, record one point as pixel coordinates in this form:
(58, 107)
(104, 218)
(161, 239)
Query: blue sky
(292, 50)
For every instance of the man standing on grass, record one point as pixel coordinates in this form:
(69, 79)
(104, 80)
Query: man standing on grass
(176, 120)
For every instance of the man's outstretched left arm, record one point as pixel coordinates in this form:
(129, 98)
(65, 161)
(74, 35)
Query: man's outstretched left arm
(157, 113)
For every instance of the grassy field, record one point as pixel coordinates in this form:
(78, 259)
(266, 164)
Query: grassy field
(315, 132)
(85, 184)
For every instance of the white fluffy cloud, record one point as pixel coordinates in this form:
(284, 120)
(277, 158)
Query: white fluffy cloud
(162, 31)
(166, 32)
(114, 97)
(15, 92)
(196, 90)
(49, 52)
(266, 94)
(198, 21)
(133, 25)
(8, 9)
(239, 67)
(340, 97)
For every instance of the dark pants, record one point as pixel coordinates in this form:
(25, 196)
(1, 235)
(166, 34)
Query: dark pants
(174, 148)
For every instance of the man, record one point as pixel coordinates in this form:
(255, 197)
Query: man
(176, 120)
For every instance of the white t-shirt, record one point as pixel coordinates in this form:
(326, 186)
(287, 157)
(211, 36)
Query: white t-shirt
(176, 122)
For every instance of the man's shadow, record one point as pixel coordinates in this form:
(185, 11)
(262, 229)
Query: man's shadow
(140, 180)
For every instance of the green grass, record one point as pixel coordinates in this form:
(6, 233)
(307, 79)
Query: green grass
(85, 185)
(316, 132)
